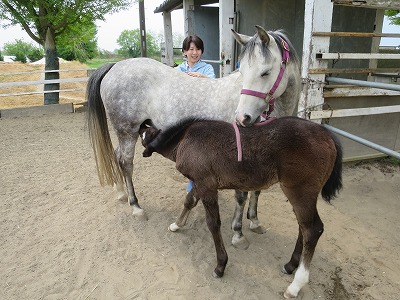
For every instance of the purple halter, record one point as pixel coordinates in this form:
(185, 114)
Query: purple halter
(269, 97)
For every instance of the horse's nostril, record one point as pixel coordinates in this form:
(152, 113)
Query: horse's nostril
(246, 119)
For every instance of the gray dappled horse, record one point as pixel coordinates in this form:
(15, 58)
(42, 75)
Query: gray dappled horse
(136, 90)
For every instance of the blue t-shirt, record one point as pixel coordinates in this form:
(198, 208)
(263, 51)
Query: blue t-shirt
(200, 66)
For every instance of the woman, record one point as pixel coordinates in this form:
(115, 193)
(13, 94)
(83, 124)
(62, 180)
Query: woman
(193, 48)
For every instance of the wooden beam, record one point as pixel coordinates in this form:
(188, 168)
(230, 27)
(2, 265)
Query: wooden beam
(356, 34)
(353, 71)
(21, 83)
(339, 113)
(357, 56)
(356, 91)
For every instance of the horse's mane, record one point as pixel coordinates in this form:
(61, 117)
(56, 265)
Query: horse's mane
(173, 134)
(265, 51)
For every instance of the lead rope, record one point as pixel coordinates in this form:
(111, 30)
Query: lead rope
(238, 142)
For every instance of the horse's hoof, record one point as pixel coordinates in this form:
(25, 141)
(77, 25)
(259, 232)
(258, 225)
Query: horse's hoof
(287, 271)
(173, 227)
(288, 295)
(122, 196)
(240, 243)
(258, 228)
(216, 275)
(139, 214)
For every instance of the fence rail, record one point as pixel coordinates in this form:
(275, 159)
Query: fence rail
(43, 81)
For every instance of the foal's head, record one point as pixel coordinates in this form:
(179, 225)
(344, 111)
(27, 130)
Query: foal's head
(148, 134)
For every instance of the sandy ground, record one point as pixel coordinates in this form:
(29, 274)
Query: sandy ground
(65, 237)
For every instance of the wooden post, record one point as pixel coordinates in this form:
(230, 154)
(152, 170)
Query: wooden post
(169, 43)
(143, 45)
(317, 17)
(227, 43)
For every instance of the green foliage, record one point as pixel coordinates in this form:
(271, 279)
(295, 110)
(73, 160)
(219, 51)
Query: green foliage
(393, 16)
(78, 42)
(23, 51)
(1, 57)
(98, 62)
(129, 42)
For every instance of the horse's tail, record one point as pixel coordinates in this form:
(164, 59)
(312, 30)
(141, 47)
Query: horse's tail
(334, 183)
(108, 168)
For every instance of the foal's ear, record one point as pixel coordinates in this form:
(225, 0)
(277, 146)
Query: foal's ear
(262, 33)
(240, 38)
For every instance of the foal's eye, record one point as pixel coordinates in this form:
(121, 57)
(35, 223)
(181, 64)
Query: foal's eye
(265, 73)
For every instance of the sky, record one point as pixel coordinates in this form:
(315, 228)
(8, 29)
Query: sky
(114, 24)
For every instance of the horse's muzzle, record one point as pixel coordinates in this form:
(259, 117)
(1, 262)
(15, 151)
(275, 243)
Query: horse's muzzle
(244, 120)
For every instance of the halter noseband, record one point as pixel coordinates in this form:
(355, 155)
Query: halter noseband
(269, 97)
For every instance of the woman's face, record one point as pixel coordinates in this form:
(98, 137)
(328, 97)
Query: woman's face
(193, 54)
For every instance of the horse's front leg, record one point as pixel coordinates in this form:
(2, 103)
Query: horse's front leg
(125, 154)
(255, 224)
(190, 202)
(238, 239)
(210, 203)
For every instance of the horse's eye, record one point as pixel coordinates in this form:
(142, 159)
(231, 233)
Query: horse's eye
(265, 73)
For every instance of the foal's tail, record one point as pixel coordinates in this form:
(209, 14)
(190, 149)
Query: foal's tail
(334, 183)
(96, 121)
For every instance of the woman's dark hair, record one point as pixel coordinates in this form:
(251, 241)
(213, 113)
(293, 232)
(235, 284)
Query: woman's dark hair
(195, 40)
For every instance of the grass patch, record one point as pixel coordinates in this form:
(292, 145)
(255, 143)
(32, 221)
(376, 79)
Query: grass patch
(98, 62)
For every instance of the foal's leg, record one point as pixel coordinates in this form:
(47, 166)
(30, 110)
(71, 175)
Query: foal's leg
(238, 239)
(255, 224)
(213, 220)
(190, 202)
(125, 153)
(310, 230)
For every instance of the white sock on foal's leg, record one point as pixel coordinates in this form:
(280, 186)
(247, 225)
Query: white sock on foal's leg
(300, 279)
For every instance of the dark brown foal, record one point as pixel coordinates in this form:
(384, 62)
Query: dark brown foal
(304, 157)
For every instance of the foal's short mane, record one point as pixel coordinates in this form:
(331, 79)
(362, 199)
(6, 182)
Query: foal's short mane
(277, 35)
(172, 134)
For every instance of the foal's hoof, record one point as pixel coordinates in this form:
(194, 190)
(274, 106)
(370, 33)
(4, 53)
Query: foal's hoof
(173, 227)
(257, 228)
(139, 214)
(240, 242)
(217, 274)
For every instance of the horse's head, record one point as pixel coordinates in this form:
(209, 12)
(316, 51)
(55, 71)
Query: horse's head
(148, 134)
(262, 63)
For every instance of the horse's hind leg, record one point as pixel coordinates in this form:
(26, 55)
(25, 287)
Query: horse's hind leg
(125, 154)
(255, 224)
(310, 230)
(238, 239)
(190, 202)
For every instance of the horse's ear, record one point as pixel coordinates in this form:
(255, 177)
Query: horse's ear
(240, 38)
(262, 33)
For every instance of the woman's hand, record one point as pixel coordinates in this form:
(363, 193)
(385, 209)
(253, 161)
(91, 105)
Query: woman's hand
(196, 74)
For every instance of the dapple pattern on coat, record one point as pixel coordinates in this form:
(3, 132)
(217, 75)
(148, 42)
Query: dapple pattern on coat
(134, 91)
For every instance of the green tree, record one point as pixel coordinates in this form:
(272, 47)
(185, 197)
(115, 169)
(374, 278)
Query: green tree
(45, 20)
(393, 16)
(23, 51)
(129, 42)
(78, 43)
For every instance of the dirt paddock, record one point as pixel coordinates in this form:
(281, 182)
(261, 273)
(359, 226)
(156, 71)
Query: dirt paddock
(65, 237)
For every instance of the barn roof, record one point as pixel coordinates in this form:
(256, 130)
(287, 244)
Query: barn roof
(170, 5)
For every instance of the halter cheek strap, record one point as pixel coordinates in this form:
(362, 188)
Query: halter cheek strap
(269, 97)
